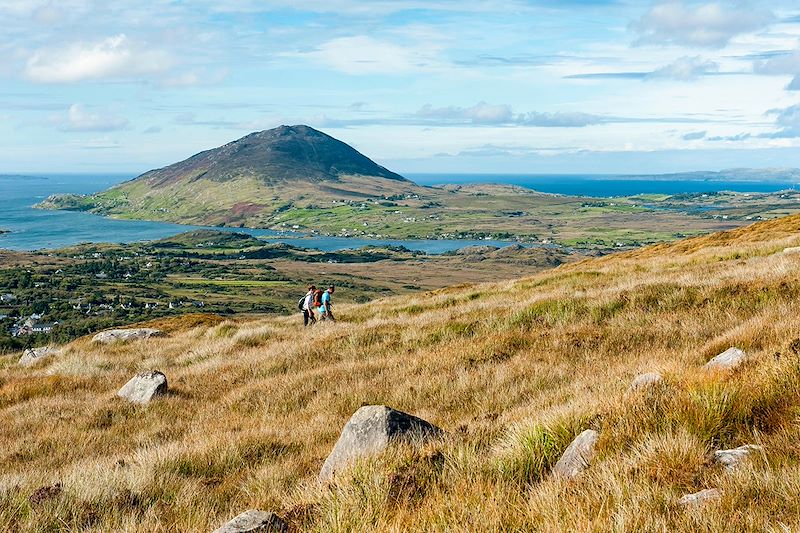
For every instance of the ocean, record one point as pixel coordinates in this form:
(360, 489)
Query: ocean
(34, 229)
(603, 186)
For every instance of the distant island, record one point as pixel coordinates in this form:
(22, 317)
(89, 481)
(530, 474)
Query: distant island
(781, 175)
(248, 182)
(299, 179)
(17, 177)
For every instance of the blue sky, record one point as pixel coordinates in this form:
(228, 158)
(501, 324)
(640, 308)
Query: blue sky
(421, 86)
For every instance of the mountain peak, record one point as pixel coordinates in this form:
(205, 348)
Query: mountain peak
(301, 130)
(285, 153)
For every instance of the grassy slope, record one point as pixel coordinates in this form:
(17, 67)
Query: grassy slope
(511, 370)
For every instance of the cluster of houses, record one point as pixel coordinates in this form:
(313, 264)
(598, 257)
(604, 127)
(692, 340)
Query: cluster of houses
(31, 325)
(100, 309)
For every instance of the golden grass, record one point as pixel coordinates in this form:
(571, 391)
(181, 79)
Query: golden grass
(512, 371)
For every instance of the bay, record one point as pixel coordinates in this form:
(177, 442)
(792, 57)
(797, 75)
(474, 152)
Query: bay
(35, 229)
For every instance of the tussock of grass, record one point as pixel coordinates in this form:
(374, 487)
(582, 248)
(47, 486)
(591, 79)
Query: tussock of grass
(528, 452)
(512, 371)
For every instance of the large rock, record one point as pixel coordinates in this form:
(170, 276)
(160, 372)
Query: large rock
(731, 459)
(645, 381)
(578, 455)
(144, 386)
(369, 431)
(32, 356)
(727, 360)
(122, 335)
(698, 499)
(255, 521)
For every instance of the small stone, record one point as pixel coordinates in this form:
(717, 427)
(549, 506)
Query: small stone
(731, 459)
(143, 387)
(727, 360)
(697, 499)
(370, 431)
(253, 520)
(123, 335)
(32, 356)
(643, 381)
(578, 455)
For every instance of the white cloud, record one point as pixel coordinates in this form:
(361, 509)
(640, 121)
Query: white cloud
(788, 120)
(783, 64)
(685, 69)
(366, 55)
(706, 24)
(79, 118)
(489, 114)
(481, 113)
(112, 58)
(561, 119)
(694, 136)
(45, 12)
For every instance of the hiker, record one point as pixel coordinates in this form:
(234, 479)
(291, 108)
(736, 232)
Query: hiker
(317, 304)
(306, 305)
(327, 312)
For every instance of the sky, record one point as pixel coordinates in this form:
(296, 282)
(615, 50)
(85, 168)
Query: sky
(466, 86)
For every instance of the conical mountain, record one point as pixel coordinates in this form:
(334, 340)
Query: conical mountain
(285, 153)
(251, 181)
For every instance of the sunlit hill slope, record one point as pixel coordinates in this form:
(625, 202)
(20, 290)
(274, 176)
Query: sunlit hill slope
(512, 372)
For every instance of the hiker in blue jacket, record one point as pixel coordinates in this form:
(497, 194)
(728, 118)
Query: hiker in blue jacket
(327, 312)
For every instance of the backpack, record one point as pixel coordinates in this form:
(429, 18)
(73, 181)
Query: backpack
(301, 303)
(317, 298)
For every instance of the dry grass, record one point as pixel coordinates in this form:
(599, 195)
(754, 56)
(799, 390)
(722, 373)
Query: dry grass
(513, 371)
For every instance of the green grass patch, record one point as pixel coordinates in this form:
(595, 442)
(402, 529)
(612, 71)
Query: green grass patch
(228, 282)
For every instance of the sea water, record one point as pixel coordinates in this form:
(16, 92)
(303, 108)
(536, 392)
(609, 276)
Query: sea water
(604, 185)
(34, 229)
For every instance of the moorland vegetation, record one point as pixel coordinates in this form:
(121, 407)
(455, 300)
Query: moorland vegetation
(511, 371)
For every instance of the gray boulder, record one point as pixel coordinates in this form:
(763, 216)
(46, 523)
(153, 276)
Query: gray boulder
(252, 520)
(727, 360)
(731, 459)
(644, 381)
(123, 335)
(578, 455)
(698, 499)
(32, 356)
(143, 387)
(370, 431)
